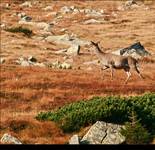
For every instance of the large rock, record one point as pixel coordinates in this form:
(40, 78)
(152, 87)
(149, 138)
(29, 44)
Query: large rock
(104, 133)
(67, 40)
(136, 50)
(9, 139)
(74, 50)
(74, 139)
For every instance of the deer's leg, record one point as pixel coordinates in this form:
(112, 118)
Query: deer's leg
(105, 68)
(138, 72)
(102, 69)
(111, 72)
(128, 75)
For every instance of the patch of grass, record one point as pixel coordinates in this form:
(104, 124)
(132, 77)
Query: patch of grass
(113, 109)
(20, 29)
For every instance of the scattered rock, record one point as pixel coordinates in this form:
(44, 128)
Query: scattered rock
(38, 25)
(63, 51)
(25, 63)
(104, 133)
(74, 139)
(2, 60)
(3, 26)
(74, 50)
(59, 65)
(48, 8)
(20, 15)
(52, 14)
(26, 4)
(66, 39)
(66, 9)
(114, 14)
(93, 13)
(75, 11)
(136, 50)
(131, 4)
(93, 21)
(66, 66)
(44, 26)
(32, 59)
(9, 139)
(39, 64)
(89, 69)
(26, 18)
(63, 30)
(7, 6)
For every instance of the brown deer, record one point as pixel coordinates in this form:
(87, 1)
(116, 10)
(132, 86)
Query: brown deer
(113, 61)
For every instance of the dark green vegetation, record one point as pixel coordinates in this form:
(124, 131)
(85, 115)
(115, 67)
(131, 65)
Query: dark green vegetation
(20, 29)
(135, 133)
(113, 109)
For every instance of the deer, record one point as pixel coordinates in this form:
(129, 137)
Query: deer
(113, 61)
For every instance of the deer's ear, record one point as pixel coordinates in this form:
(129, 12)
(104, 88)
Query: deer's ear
(98, 42)
(92, 42)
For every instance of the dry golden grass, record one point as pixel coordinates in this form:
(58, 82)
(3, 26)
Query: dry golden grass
(25, 91)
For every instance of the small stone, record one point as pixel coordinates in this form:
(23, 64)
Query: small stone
(7, 138)
(26, 4)
(26, 18)
(32, 59)
(2, 60)
(66, 9)
(74, 140)
(39, 64)
(93, 21)
(48, 8)
(74, 49)
(25, 63)
(66, 66)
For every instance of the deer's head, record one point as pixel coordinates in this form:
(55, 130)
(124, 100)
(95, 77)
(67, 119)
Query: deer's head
(96, 45)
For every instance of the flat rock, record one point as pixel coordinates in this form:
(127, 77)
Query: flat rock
(9, 139)
(66, 39)
(104, 133)
(93, 21)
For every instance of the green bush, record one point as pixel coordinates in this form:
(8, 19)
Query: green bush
(135, 133)
(20, 29)
(110, 109)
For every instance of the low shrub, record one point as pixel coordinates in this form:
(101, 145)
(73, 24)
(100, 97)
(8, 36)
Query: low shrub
(20, 29)
(113, 109)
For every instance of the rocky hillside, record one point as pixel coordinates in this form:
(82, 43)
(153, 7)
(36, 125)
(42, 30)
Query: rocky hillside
(47, 59)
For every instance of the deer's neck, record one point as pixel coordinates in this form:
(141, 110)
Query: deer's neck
(98, 51)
